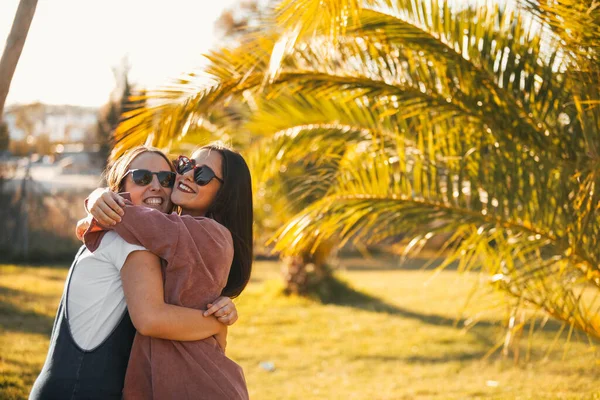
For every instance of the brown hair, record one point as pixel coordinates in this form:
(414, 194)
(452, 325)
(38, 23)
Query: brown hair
(115, 171)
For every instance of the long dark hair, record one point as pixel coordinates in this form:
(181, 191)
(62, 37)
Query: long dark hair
(232, 208)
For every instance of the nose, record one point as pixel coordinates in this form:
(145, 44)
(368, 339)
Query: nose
(155, 184)
(190, 174)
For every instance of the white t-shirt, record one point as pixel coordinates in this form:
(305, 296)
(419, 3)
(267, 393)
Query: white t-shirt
(95, 298)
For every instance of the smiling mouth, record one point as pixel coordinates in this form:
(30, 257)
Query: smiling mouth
(185, 188)
(153, 201)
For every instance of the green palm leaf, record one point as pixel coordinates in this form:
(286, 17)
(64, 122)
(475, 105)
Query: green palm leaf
(376, 201)
(385, 122)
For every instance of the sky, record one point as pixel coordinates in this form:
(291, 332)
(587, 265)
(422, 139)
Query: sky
(73, 45)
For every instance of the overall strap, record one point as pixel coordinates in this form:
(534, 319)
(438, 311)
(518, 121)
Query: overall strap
(68, 281)
(79, 252)
(62, 307)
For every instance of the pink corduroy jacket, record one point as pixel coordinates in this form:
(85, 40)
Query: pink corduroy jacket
(197, 253)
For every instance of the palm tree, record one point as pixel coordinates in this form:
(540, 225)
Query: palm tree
(424, 118)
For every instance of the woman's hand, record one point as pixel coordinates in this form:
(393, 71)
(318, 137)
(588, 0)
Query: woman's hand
(224, 309)
(82, 226)
(106, 207)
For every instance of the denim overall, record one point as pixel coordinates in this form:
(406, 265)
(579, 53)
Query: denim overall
(73, 373)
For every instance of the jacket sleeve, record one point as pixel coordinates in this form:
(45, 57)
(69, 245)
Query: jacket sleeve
(180, 240)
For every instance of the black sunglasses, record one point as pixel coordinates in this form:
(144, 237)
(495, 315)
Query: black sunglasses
(143, 177)
(202, 174)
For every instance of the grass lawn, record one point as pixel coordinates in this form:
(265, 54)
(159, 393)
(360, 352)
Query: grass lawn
(395, 340)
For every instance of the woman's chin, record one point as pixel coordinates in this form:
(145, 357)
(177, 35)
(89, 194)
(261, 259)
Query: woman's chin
(179, 199)
(166, 208)
(190, 203)
(176, 198)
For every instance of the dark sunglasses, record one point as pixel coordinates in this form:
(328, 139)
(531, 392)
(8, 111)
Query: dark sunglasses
(143, 177)
(202, 174)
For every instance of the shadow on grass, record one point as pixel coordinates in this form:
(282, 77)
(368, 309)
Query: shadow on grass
(15, 319)
(393, 264)
(420, 359)
(336, 291)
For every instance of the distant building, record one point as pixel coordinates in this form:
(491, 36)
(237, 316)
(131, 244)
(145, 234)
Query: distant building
(77, 159)
(61, 123)
(14, 131)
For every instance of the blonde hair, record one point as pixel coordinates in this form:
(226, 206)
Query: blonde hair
(115, 172)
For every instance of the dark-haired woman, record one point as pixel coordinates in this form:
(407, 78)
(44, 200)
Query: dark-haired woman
(208, 252)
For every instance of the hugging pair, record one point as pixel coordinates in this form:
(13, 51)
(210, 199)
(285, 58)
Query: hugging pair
(148, 268)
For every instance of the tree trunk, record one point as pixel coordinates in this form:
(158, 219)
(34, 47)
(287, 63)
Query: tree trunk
(14, 47)
(304, 273)
(24, 211)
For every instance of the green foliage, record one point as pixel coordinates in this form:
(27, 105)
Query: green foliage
(412, 119)
(111, 114)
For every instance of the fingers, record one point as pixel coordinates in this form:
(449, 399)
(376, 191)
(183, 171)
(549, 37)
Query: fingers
(211, 309)
(224, 310)
(216, 305)
(115, 202)
(107, 208)
(229, 319)
(218, 310)
(104, 212)
(119, 199)
(226, 315)
(99, 211)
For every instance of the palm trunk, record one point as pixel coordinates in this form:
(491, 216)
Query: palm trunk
(14, 47)
(305, 273)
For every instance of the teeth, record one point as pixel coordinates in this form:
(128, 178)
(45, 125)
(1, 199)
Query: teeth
(185, 188)
(154, 200)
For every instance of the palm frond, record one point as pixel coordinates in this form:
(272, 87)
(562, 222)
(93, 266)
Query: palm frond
(377, 122)
(486, 48)
(575, 22)
(183, 103)
(377, 201)
(379, 71)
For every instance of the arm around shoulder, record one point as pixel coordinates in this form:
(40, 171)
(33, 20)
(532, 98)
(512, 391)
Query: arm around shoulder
(193, 240)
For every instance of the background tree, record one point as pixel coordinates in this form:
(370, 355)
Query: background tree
(14, 47)
(110, 115)
(424, 119)
(247, 16)
(28, 115)
(4, 137)
(42, 145)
